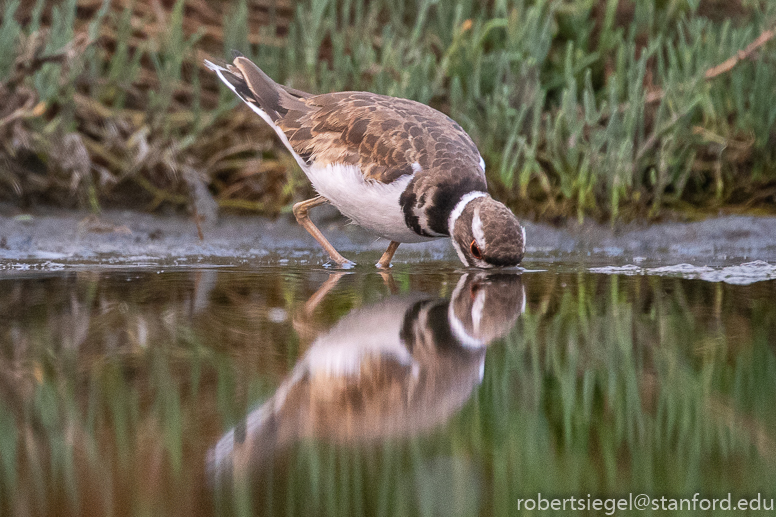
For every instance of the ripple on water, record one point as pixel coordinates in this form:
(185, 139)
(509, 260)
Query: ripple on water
(743, 274)
(628, 269)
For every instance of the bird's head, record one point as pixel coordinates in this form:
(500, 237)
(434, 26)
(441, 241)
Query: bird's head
(485, 233)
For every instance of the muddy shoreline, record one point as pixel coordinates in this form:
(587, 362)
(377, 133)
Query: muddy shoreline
(129, 237)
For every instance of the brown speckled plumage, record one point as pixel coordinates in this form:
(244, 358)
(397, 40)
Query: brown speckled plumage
(383, 135)
(391, 141)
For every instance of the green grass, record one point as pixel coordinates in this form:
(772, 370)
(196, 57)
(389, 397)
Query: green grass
(580, 108)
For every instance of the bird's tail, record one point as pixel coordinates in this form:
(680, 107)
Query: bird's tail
(257, 89)
(270, 100)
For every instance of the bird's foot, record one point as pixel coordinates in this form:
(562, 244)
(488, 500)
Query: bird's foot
(336, 264)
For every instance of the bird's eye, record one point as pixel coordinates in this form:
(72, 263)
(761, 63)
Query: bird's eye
(476, 253)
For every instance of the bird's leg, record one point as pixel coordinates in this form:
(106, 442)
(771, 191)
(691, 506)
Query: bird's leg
(300, 212)
(385, 260)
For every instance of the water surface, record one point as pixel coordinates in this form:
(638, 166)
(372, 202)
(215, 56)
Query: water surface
(427, 391)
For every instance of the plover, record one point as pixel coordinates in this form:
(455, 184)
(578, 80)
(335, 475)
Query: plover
(396, 167)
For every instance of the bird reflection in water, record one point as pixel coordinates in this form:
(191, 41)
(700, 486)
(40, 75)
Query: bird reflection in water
(392, 369)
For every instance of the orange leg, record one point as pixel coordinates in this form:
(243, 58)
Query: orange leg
(385, 260)
(300, 212)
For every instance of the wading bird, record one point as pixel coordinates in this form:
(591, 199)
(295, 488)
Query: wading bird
(396, 167)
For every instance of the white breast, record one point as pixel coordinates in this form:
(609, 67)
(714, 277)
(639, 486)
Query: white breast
(368, 203)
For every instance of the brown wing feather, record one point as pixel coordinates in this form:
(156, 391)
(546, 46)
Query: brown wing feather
(383, 135)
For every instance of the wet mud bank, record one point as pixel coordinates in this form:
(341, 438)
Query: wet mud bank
(128, 237)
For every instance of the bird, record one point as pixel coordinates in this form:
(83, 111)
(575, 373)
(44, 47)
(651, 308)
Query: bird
(399, 168)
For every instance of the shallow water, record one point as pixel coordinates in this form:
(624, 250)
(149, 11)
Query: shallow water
(426, 391)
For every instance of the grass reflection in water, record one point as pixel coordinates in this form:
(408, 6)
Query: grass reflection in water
(132, 392)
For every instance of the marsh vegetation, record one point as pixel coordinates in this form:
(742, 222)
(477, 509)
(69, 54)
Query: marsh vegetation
(609, 109)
